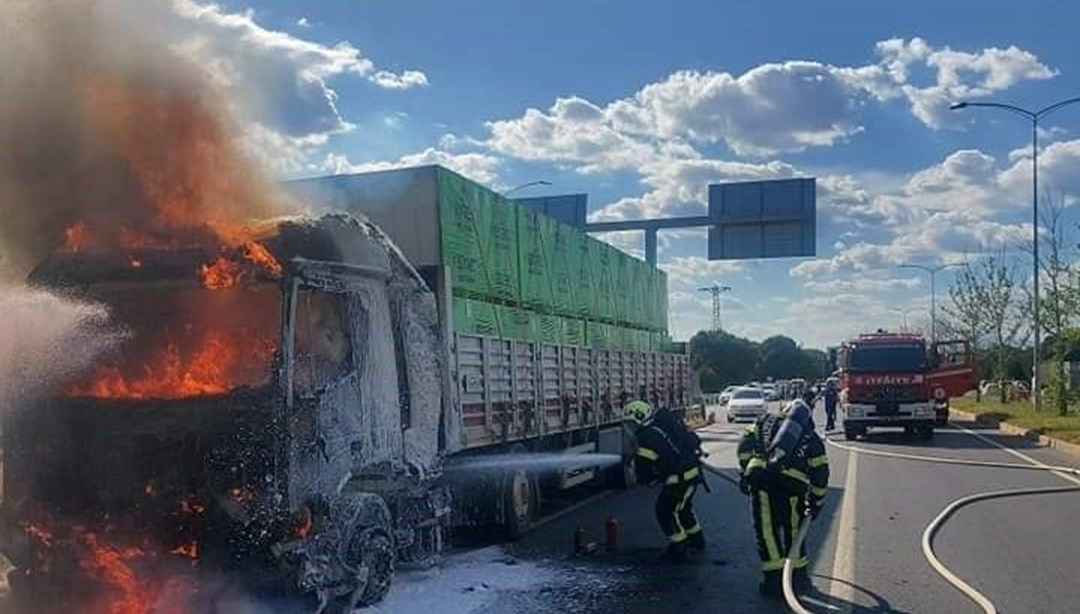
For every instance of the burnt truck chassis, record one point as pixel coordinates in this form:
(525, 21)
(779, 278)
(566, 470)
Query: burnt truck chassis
(244, 461)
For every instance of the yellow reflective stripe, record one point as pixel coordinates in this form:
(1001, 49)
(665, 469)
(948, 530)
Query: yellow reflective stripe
(767, 530)
(755, 463)
(819, 492)
(688, 475)
(752, 428)
(746, 456)
(818, 461)
(795, 474)
(800, 562)
(772, 565)
(647, 453)
(694, 529)
(678, 537)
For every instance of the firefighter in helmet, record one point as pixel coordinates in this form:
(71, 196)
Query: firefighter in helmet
(670, 454)
(784, 469)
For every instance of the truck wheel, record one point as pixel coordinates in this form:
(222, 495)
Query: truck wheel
(371, 558)
(521, 503)
(927, 433)
(850, 433)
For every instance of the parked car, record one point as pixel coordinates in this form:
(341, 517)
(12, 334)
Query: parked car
(746, 404)
(771, 392)
(1015, 390)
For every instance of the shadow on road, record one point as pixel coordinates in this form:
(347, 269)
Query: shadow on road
(817, 601)
(944, 439)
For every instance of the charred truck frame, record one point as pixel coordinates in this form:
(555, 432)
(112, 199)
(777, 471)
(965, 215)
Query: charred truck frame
(315, 450)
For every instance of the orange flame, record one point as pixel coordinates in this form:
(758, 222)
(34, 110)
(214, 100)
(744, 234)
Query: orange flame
(222, 273)
(190, 551)
(112, 565)
(208, 371)
(227, 272)
(76, 237)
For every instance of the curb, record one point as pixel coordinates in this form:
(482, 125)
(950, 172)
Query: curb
(1012, 429)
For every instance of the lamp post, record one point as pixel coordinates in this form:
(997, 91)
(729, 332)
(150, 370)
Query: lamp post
(1034, 117)
(903, 318)
(525, 185)
(932, 271)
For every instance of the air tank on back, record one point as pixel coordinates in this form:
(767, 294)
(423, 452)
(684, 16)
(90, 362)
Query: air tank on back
(797, 421)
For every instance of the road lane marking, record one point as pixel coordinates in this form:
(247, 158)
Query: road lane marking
(842, 586)
(1017, 454)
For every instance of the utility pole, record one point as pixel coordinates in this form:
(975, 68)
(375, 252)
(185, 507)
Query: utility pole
(1033, 117)
(717, 314)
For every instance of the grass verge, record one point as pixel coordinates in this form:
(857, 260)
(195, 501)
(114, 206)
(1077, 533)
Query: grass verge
(1046, 422)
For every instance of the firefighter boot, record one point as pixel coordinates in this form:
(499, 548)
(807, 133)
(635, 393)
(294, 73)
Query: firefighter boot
(772, 585)
(695, 543)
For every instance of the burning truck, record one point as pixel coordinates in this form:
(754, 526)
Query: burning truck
(287, 411)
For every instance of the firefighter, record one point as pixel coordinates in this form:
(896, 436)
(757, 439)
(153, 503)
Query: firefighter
(832, 396)
(785, 471)
(669, 453)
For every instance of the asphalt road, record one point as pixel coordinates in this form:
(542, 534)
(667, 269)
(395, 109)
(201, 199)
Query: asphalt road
(865, 548)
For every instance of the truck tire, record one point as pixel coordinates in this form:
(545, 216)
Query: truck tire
(850, 433)
(371, 554)
(520, 503)
(926, 433)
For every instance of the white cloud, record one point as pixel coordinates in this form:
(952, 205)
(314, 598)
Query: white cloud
(861, 285)
(303, 22)
(693, 272)
(771, 108)
(477, 166)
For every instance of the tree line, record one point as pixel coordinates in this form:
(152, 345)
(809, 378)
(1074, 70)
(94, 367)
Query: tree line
(990, 305)
(721, 359)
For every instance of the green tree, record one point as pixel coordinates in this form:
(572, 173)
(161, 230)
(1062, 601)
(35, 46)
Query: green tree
(722, 359)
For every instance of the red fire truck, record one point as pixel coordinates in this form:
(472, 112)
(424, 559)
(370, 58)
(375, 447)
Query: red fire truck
(896, 380)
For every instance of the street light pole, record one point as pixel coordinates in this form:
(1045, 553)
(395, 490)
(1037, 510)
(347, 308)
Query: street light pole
(1033, 117)
(525, 185)
(933, 271)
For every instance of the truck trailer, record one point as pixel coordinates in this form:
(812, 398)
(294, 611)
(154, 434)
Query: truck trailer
(299, 413)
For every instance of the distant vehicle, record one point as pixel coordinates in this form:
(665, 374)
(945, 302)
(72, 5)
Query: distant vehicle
(1015, 390)
(771, 392)
(746, 404)
(725, 396)
(892, 379)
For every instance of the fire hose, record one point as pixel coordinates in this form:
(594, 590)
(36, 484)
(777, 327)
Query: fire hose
(935, 525)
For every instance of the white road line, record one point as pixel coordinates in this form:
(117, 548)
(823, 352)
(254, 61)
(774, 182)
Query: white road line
(843, 572)
(1018, 454)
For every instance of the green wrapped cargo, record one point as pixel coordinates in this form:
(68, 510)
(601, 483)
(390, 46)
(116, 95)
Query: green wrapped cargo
(573, 331)
(549, 328)
(478, 229)
(534, 244)
(563, 268)
(477, 317)
(582, 276)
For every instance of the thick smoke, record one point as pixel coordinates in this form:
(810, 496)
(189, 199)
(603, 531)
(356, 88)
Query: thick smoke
(102, 125)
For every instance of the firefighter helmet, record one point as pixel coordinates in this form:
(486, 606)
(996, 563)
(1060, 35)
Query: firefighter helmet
(638, 411)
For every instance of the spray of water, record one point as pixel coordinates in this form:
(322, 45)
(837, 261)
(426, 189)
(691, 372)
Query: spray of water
(539, 462)
(45, 339)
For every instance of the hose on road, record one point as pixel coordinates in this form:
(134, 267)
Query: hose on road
(935, 525)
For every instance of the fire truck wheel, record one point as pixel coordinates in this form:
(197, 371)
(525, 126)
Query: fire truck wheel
(851, 433)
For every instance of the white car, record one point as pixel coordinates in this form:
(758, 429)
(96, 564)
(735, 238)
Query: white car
(770, 392)
(746, 404)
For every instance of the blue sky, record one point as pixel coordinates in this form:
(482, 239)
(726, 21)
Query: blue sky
(642, 104)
